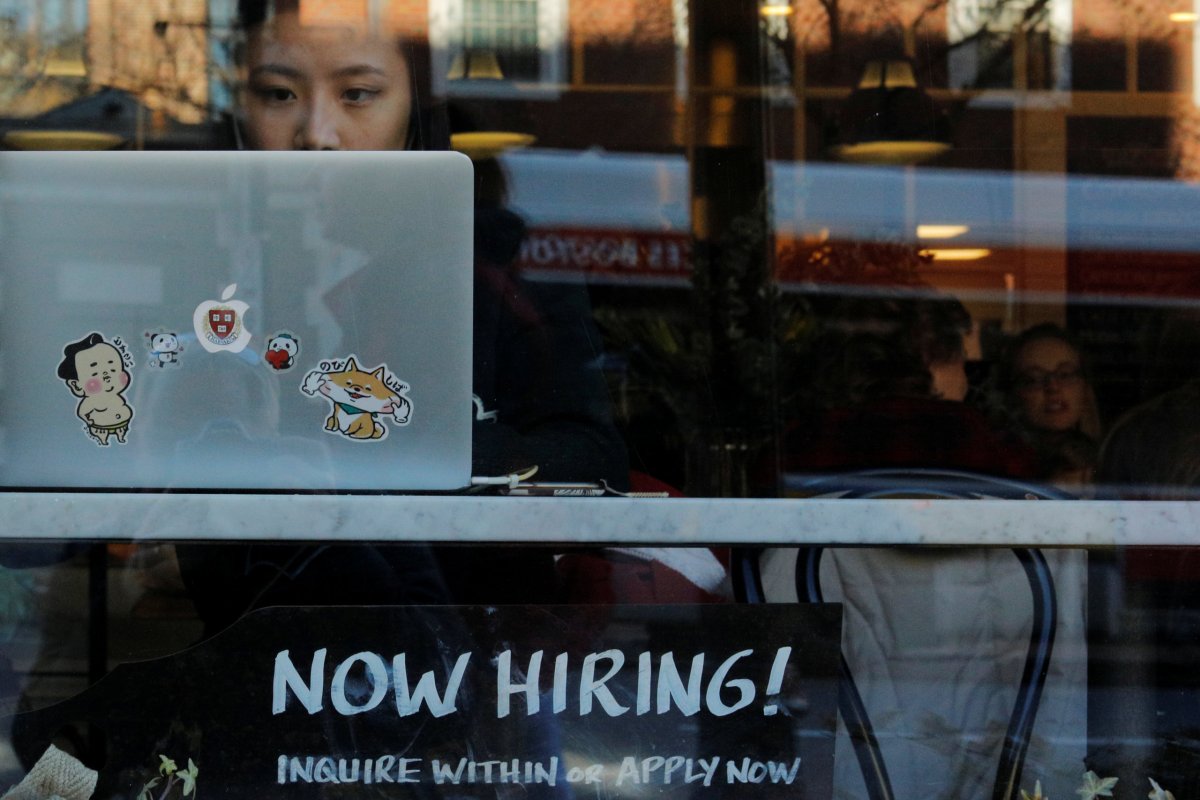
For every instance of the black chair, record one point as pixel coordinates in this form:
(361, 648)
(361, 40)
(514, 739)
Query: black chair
(924, 483)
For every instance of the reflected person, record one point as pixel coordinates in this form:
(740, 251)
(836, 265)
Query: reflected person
(1045, 380)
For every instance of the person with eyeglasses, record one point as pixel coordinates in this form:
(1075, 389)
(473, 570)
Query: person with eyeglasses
(890, 389)
(1047, 388)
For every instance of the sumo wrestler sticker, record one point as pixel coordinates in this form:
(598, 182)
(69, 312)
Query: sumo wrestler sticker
(97, 372)
(360, 399)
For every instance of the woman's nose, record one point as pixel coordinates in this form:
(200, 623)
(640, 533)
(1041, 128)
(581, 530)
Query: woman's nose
(319, 127)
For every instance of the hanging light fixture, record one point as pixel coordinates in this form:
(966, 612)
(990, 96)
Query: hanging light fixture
(889, 119)
(475, 65)
(479, 145)
(957, 253)
(930, 230)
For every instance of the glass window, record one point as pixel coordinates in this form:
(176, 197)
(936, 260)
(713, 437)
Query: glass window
(899, 298)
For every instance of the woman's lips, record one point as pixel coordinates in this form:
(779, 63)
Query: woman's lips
(1058, 413)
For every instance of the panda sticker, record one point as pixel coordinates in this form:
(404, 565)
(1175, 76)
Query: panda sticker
(164, 347)
(282, 349)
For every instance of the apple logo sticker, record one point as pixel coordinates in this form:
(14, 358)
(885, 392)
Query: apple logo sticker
(219, 323)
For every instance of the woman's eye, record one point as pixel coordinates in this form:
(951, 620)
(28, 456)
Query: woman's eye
(275, 94)
(359, 96)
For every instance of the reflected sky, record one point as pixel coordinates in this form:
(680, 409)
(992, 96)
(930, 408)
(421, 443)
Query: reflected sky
(63, 16)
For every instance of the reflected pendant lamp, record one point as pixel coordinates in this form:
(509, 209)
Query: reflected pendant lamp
(888, 119)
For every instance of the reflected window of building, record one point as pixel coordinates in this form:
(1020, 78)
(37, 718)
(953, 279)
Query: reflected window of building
(1017, 44)
(497, 46)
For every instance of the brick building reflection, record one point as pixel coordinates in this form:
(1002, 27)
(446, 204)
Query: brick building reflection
(686, 105)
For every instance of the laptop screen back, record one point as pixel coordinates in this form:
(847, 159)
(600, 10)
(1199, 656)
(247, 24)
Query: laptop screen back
(235, 320)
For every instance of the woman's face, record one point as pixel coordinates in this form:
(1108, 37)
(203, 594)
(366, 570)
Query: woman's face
(335, 87)
(1050, 385)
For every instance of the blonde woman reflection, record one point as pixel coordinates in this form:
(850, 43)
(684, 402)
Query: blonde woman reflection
(934, 637)
(1047, 387)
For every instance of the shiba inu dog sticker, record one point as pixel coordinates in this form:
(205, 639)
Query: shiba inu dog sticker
(360, 398)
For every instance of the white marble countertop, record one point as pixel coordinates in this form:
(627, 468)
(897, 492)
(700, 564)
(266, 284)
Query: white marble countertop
(121, 516)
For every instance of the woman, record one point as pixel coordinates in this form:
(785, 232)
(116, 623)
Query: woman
(1044, 379)
(319, 84)
(315, 82)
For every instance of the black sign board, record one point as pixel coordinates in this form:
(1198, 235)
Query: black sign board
(478, 702)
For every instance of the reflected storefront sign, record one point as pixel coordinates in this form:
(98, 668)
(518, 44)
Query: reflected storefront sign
(1010, 231)
(607, 254)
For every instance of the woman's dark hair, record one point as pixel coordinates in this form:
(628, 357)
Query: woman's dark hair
(1153, 451)
(938, 327)
(428, 128)
(252, 13)
(882, 345)
(1170, 341)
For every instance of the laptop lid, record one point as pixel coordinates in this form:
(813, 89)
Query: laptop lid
(235, 320)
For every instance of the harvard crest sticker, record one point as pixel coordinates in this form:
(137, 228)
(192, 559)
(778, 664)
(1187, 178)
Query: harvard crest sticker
(96, 370)
(221, 324)
(360, 399)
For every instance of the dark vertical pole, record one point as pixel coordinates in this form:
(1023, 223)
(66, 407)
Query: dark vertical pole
(732, 239)
(97, 627)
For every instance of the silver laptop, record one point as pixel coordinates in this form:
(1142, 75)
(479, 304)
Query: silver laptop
(235, 320)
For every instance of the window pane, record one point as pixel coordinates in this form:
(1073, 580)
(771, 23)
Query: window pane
(793, 254)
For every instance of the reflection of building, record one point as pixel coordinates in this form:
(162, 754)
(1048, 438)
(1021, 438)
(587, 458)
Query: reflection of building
(489, 45)
(57, 51)
(614, 73)
(980, 32)
(158, 49)
(1031, 86)
(41, 54)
